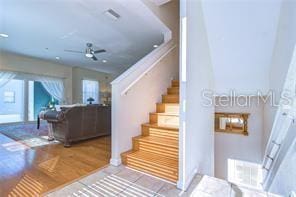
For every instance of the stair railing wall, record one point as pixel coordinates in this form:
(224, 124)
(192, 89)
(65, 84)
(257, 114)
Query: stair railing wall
(127, 97)
(278, 143)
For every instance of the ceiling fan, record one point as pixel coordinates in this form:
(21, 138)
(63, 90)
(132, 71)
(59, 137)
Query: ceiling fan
(89, 51)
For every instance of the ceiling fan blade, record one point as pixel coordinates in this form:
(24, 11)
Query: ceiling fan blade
(73, 51)
(100, 51)
(94, 58)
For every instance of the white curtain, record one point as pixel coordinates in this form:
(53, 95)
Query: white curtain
(55, 87)
(5, 77)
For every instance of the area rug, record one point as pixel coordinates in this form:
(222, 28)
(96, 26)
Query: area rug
(27, 133)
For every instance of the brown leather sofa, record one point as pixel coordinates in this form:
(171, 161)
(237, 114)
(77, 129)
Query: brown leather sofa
(82, 122)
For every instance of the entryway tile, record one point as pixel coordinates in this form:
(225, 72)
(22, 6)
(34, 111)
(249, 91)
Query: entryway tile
(194, 183)
(129, 175)
(68, 190)
(170, 190)
(113, 169)
(93, 178)
(213, 186)
(201, 194)
(108, 186)
(238, 191)
(150, 183)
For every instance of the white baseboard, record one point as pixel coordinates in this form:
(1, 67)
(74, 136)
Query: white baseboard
(184, 186)
(115, 162)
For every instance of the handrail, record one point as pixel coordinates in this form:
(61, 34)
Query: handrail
(285, 116)
(143, 66)
(144, 73)
(277, 147)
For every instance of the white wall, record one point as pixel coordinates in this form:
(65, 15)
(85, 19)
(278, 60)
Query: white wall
(285, 180)
(282, 54)
(196, 121)
(237, 146)
(131, 110)
(241, 37)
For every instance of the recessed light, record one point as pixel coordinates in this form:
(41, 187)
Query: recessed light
(57, 57)
(155, 46)
(4, 35)
(104, 61)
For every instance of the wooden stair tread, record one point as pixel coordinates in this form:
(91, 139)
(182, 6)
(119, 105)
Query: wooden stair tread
(175, 83)
(165, 114)
(157, 159)
(168, 107)
(127, 152)
(156, 151)
(173, 104)
(171, 95)
(170, 98)
(173, 90)
(154, 125)
(164, 119)
(158, 140)
(155, 164)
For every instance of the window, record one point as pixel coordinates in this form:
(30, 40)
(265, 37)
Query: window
(38, 99)
(12, 101)
(244, 173)
(9, 97)
(22, 98)
(90, 89)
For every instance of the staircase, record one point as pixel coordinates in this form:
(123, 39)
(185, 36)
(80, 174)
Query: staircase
(156, 150)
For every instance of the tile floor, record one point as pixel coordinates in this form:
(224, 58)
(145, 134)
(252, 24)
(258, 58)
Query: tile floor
(122, 181)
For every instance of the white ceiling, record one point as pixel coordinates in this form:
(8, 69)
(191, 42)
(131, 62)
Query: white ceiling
(34, 25)
(241, 36)
(160, 2)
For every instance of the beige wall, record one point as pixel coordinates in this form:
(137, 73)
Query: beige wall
(79, 74)
(168, 14)
(20, 63)
(132, 109)
(71, 76)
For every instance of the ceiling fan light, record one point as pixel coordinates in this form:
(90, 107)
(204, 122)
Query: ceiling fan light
(89, 55)
(88, 52)
(3, 35)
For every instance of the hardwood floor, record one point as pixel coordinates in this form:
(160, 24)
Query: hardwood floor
(31, 171)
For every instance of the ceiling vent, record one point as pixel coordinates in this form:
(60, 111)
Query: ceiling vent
(112, 14)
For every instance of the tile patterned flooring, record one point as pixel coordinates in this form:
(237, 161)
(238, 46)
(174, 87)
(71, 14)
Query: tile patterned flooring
(122, 181)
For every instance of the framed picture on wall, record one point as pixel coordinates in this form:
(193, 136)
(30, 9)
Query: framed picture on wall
(231, 122)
